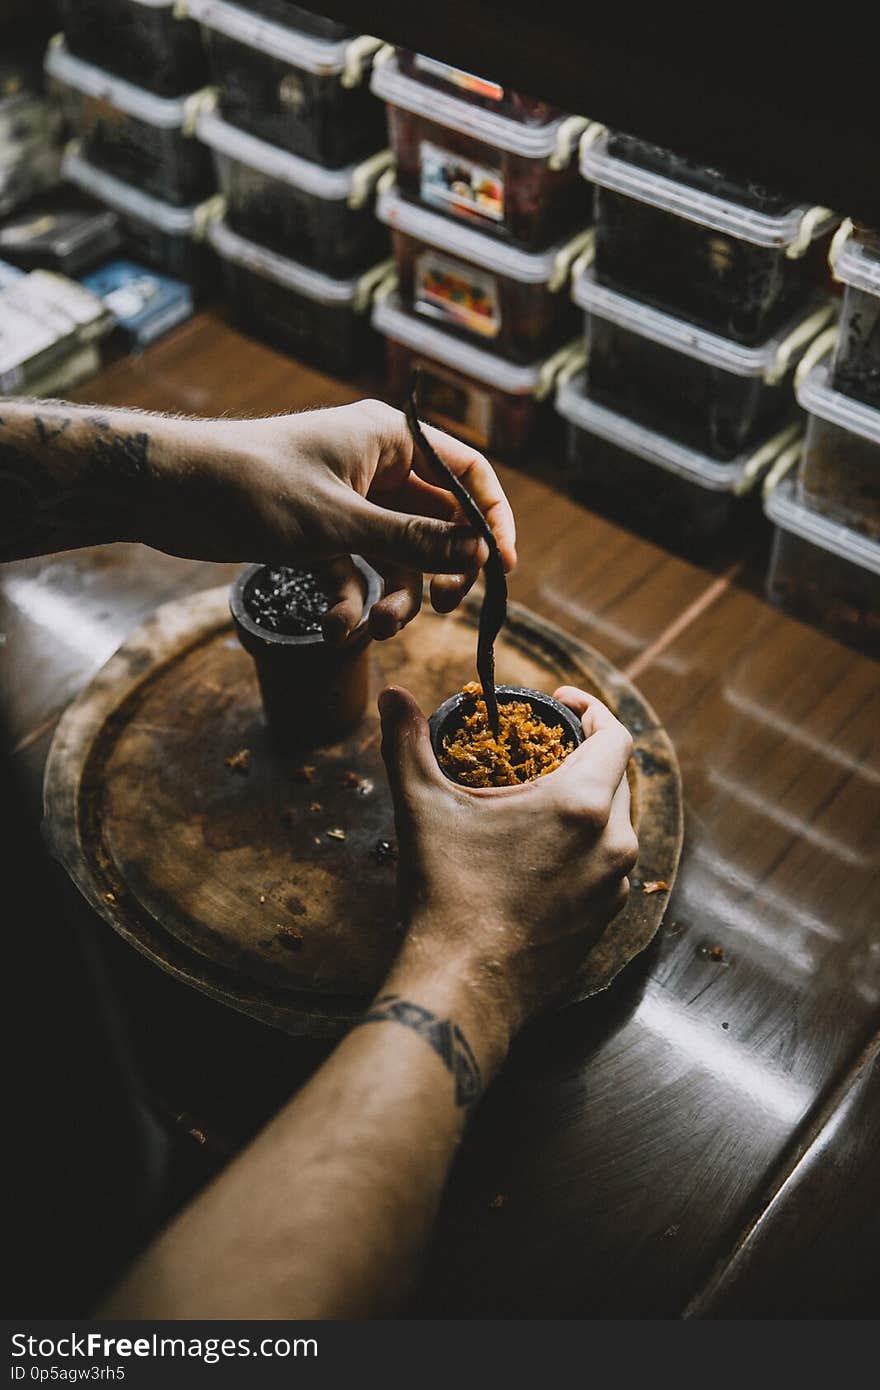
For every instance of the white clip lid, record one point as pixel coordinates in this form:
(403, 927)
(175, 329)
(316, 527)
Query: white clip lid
(768, 361)
(130, 201)
(852, 265)
(168, 113)
(736, 476)
(332, 185)
(395, 322)
(782, 507)
(528, 267)
(322, 57)
(816, 395)
(291, 275)
(532, 142)
(783, 231)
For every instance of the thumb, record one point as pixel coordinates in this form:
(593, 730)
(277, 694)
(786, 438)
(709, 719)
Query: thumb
(415, 542)
(406, 742)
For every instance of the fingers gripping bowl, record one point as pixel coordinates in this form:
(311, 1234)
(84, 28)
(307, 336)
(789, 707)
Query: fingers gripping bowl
(536, 733)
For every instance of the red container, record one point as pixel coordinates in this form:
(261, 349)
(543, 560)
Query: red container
(510, 180)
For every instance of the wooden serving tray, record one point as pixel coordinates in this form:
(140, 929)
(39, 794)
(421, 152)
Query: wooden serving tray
(231, 879)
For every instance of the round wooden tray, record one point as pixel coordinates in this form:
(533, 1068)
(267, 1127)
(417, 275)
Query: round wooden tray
(262, 886)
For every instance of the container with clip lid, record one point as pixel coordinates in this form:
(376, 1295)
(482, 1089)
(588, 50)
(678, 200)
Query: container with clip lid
(480, 397)
(318, 318)
(477, 91)
(305, 211)
(143, 41)
(285, 12)
(481, 289)
(737, 271)
(648, 480)
(711, 393)
(310, 95)
(840, 472)
(131, 133)
(509, 180)
(821, 570)
(156, 232)
(706, 177)
(855, 262)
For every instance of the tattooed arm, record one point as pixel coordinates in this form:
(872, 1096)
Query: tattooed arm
(71, 477)
(310, 488)
(504, 891)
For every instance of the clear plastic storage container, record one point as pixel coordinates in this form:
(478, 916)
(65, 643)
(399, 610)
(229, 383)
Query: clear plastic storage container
(319, 319)
(479, 91)
(646, 479)
(284, 12)
(704, 176)
(158, 233)
(478, 288)
(821, 570)
(711, 393)
(490, 402)
(840, 473)
(511, 180)
(322, 217)
(738, 272)
(131, 133)
(140, 40)
(309, 95)
(856, 367)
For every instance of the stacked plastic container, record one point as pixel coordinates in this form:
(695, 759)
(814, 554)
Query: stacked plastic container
(703, 296)
(487, 216)
(131, 78)
(29, 153)
(826, 555)
(296, 138)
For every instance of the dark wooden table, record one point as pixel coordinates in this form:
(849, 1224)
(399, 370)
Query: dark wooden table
(700, 1141)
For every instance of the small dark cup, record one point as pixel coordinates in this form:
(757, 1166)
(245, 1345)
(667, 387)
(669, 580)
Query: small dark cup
(448, 718)
(312, 692)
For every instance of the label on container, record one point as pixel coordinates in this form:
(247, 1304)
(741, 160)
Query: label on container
(457, 293)
(449, 181)
(455, 405)
(457, 77)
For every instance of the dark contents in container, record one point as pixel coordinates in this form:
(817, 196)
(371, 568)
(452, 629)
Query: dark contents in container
(332, 336)
(519, 321)
(307, 113)
(826, 589)
(287, 601)
(714, 411)
(704, 176)
(507, 195)
(663, 505)
(145, 44)
(283, 12)
(476, 91)
(523, 748)
(856, 369)
(733, 287)
(840, 476)
(321, 232)
(162, 162)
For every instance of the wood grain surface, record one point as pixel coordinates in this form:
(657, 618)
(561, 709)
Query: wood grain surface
(699, 1136)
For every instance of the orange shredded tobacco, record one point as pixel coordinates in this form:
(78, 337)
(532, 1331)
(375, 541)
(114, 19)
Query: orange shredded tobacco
(524, 747)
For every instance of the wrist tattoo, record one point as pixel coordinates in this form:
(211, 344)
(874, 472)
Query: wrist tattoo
(446, 1038)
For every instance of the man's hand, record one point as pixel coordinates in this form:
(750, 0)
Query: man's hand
(506, 889)
(314, 488)
(307, 489)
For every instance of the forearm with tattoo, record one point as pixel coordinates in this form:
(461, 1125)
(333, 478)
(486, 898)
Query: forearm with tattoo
(69, 476)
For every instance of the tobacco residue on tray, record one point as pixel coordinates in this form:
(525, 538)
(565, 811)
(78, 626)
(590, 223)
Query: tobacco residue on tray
(524, 747)
(288, 601)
